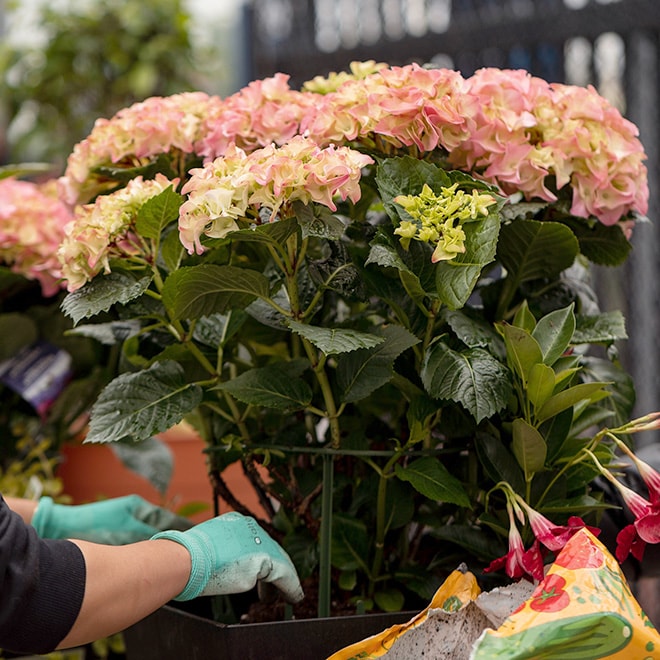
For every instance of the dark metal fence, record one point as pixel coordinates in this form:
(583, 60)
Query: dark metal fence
(612, 44)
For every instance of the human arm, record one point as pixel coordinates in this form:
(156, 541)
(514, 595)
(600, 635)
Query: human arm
(124, 584)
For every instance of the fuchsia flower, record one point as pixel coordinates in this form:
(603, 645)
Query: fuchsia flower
(32, 221)
(554, 537)
(519, 562)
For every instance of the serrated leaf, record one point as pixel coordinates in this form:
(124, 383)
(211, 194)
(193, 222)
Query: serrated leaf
(528, 447)
(431, 478)
(473, 378)
(193, 292)
(361, 372)
(604, 328)
(102, 293)
(568, 398)
(171, 249)
(158, 212)
(332, 341)
(456, 279)
(270, 387)
(216, 330)
(473, 332)
(138, 405)
(554, 332)
(532, 250)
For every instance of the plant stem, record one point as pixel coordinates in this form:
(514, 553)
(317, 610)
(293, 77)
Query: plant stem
(325, 540)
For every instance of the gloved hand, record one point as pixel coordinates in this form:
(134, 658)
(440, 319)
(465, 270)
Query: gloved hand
(115, 521)
(230, 554)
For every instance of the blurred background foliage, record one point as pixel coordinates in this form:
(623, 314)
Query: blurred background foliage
(80, 60)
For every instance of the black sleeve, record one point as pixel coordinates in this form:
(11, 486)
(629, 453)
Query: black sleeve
(42, 584)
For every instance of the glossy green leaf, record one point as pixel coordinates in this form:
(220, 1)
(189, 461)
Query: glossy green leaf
(473, 378)
(554, 332)
(568, 398)
(524, 318)
(331, 341)
(152, 459)
(190, 293)
(540, 384)
(522, 350)
(317, 220)
(602, 244)
(136, 406)
(432, 479)
(273, 233)
(528, 447)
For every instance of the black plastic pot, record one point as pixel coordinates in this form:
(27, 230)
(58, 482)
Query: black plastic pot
(171, 633)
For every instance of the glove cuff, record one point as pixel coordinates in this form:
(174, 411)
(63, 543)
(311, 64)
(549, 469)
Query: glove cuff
(42, 518)
(201, 560)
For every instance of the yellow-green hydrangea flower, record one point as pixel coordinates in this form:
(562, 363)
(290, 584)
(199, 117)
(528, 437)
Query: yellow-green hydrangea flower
(437, 218)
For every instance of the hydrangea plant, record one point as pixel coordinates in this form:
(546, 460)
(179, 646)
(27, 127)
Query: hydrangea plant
(373, 293)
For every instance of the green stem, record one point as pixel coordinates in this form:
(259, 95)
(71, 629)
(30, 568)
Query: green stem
(325, 541)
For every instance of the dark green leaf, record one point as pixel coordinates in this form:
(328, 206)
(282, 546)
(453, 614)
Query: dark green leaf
(270, 387)
(138, 405)
(332, 341)
(432, 479)
(473, 378)
(602, 244)
(361, 372)
(389, 600)
(111, 333)
(473, 332)
(216, 330)
(498, 462)
(193, 292)
(317, 220)
(102, 293)
(532, 250)
(273, 233)
(350, 543)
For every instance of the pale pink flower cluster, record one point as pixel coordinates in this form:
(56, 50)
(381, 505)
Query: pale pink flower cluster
(528, 133)
(105, 230)
(32, 221)
(155, 126)
(232, 187)
(404, 106)
(264, 112)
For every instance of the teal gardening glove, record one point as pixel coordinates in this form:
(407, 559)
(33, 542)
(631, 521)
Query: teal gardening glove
(230, 554)
(116, 521)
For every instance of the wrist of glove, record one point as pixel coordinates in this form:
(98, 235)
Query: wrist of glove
(115, 521)
(231, 554)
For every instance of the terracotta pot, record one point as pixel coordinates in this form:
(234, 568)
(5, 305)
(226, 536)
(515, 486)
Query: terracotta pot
(91, 471)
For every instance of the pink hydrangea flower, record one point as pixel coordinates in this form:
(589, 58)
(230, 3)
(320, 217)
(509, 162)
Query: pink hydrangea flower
(264, 112)
(155, 126)
(105, 230)
(236, 186)
(32, 221)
